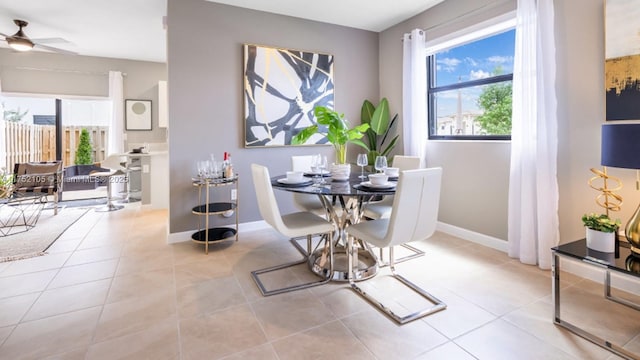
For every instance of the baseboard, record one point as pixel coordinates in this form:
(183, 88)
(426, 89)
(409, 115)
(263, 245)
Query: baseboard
(173, 238)
(473, 236)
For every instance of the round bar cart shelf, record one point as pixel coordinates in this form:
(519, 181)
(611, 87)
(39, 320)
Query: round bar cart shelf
(207, 234)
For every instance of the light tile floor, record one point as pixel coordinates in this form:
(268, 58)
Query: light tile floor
(112, 288)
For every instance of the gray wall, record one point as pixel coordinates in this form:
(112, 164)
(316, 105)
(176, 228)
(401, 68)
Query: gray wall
(206, 108)
(60, 75)
(476, 175)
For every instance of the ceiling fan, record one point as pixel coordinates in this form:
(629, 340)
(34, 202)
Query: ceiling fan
(21, 42)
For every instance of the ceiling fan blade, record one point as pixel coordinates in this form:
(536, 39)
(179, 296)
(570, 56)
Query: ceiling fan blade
(60, 51)
(51, 41)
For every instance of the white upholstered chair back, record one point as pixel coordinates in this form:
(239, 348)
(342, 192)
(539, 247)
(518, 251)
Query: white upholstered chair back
(415, 207)
(406, 162)
(267, 203)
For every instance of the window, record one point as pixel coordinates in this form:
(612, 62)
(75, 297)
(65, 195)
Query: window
(469, 86)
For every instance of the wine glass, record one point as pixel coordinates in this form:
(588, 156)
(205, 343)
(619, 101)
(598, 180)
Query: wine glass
(315, 162)
(362, 161)
(381, 163)
(322, 166)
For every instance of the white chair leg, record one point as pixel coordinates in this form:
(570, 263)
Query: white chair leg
(438, 305)
(255, 274)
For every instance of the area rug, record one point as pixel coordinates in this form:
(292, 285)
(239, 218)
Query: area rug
(37, 240)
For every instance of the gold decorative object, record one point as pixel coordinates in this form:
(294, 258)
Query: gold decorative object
(607, 198)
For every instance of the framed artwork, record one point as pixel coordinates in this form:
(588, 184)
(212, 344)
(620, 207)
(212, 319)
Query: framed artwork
(137, 114)
(622, 59)
(281, 88)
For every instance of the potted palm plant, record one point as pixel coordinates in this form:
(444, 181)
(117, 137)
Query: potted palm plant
(601, 231)
(380, 140)
(338, 133)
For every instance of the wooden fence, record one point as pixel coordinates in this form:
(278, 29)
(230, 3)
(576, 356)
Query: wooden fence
(29, 142)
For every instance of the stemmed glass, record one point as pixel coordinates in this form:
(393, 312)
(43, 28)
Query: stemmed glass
(322, 166)
(362, 161)
(381, 163)
(315, 164)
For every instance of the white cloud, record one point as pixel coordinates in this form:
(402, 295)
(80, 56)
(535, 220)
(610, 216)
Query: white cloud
(449, 64)
(471, 61)
(480, 74)
(500, 59)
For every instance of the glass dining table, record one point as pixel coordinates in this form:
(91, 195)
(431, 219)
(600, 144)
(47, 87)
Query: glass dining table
(344, 202)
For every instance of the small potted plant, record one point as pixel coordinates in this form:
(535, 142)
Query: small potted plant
(6, 183)
(338, 134)
(601, 231)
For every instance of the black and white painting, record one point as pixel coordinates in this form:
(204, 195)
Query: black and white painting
(281, 88)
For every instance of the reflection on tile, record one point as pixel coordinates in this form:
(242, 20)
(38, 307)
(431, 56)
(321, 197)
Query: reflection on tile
(35, 264)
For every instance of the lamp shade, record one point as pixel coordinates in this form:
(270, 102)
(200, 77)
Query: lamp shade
(621, 146)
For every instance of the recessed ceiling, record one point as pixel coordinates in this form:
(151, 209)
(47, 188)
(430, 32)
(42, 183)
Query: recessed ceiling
(133, 29)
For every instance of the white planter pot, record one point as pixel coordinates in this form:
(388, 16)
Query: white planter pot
(340, 172)
(601, 241)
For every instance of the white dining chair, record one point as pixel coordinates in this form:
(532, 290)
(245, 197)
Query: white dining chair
(414, 217)
(382, 209)
(292, 225)
(306, 202)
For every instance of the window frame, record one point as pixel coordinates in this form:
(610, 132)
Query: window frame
(493, 28)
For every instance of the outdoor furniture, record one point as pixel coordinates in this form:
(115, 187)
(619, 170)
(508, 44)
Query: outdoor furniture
(39, 179)
(77, 177)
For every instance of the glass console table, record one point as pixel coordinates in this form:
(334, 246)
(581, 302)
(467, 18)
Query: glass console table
(621, 263)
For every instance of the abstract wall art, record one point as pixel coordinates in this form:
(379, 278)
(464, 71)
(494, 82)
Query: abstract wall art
(622, 59)
(281, 88)
(138, 114)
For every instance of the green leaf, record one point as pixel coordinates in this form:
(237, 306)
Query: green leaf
(304, 135)
(367, 112)
(360, 143)
(380, 117)
(391, 145)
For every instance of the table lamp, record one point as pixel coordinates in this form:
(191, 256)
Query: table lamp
(621, 149)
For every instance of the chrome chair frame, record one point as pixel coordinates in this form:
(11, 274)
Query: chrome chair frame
(270, 212)
(411, 220)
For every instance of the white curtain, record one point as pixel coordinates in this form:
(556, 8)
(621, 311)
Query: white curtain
(116, 127)
(533, 188)
(414, 94)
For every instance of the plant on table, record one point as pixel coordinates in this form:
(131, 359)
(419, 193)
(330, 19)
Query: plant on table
(600, 222)
(84, 151)
(336, 129)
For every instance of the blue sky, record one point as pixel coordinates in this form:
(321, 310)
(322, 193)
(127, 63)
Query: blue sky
(472, 61)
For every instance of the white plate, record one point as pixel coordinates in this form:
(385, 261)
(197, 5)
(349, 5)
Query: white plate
(387, 185)
(288, 182)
